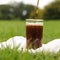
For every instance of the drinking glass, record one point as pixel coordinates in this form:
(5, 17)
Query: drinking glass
(34, 33)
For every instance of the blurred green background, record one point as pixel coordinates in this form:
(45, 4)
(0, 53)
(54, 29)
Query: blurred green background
(12, 23)
(12, 20)
(24, 11)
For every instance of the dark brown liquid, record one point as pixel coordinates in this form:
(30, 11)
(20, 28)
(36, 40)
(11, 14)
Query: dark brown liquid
(34, 36)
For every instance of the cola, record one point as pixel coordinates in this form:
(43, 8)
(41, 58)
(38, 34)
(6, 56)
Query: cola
(34, 33)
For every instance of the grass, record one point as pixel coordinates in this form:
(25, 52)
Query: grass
(51, 30)
(11, 28)
(17, 28)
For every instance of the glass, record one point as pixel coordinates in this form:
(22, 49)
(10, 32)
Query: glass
(34, 33)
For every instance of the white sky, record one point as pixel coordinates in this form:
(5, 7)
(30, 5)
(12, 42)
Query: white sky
(42, 3)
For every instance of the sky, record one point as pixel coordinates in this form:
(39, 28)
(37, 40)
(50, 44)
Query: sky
(42, 3)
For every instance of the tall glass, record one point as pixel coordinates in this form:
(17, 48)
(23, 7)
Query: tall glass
(34, 33)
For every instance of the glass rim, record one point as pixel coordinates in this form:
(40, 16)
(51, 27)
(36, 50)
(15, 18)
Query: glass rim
(34, 20)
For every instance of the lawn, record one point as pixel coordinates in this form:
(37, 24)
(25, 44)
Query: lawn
(17, 28)
(9, 29)
(51, 30)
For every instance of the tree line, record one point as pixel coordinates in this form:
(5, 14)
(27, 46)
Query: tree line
(25, 11)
